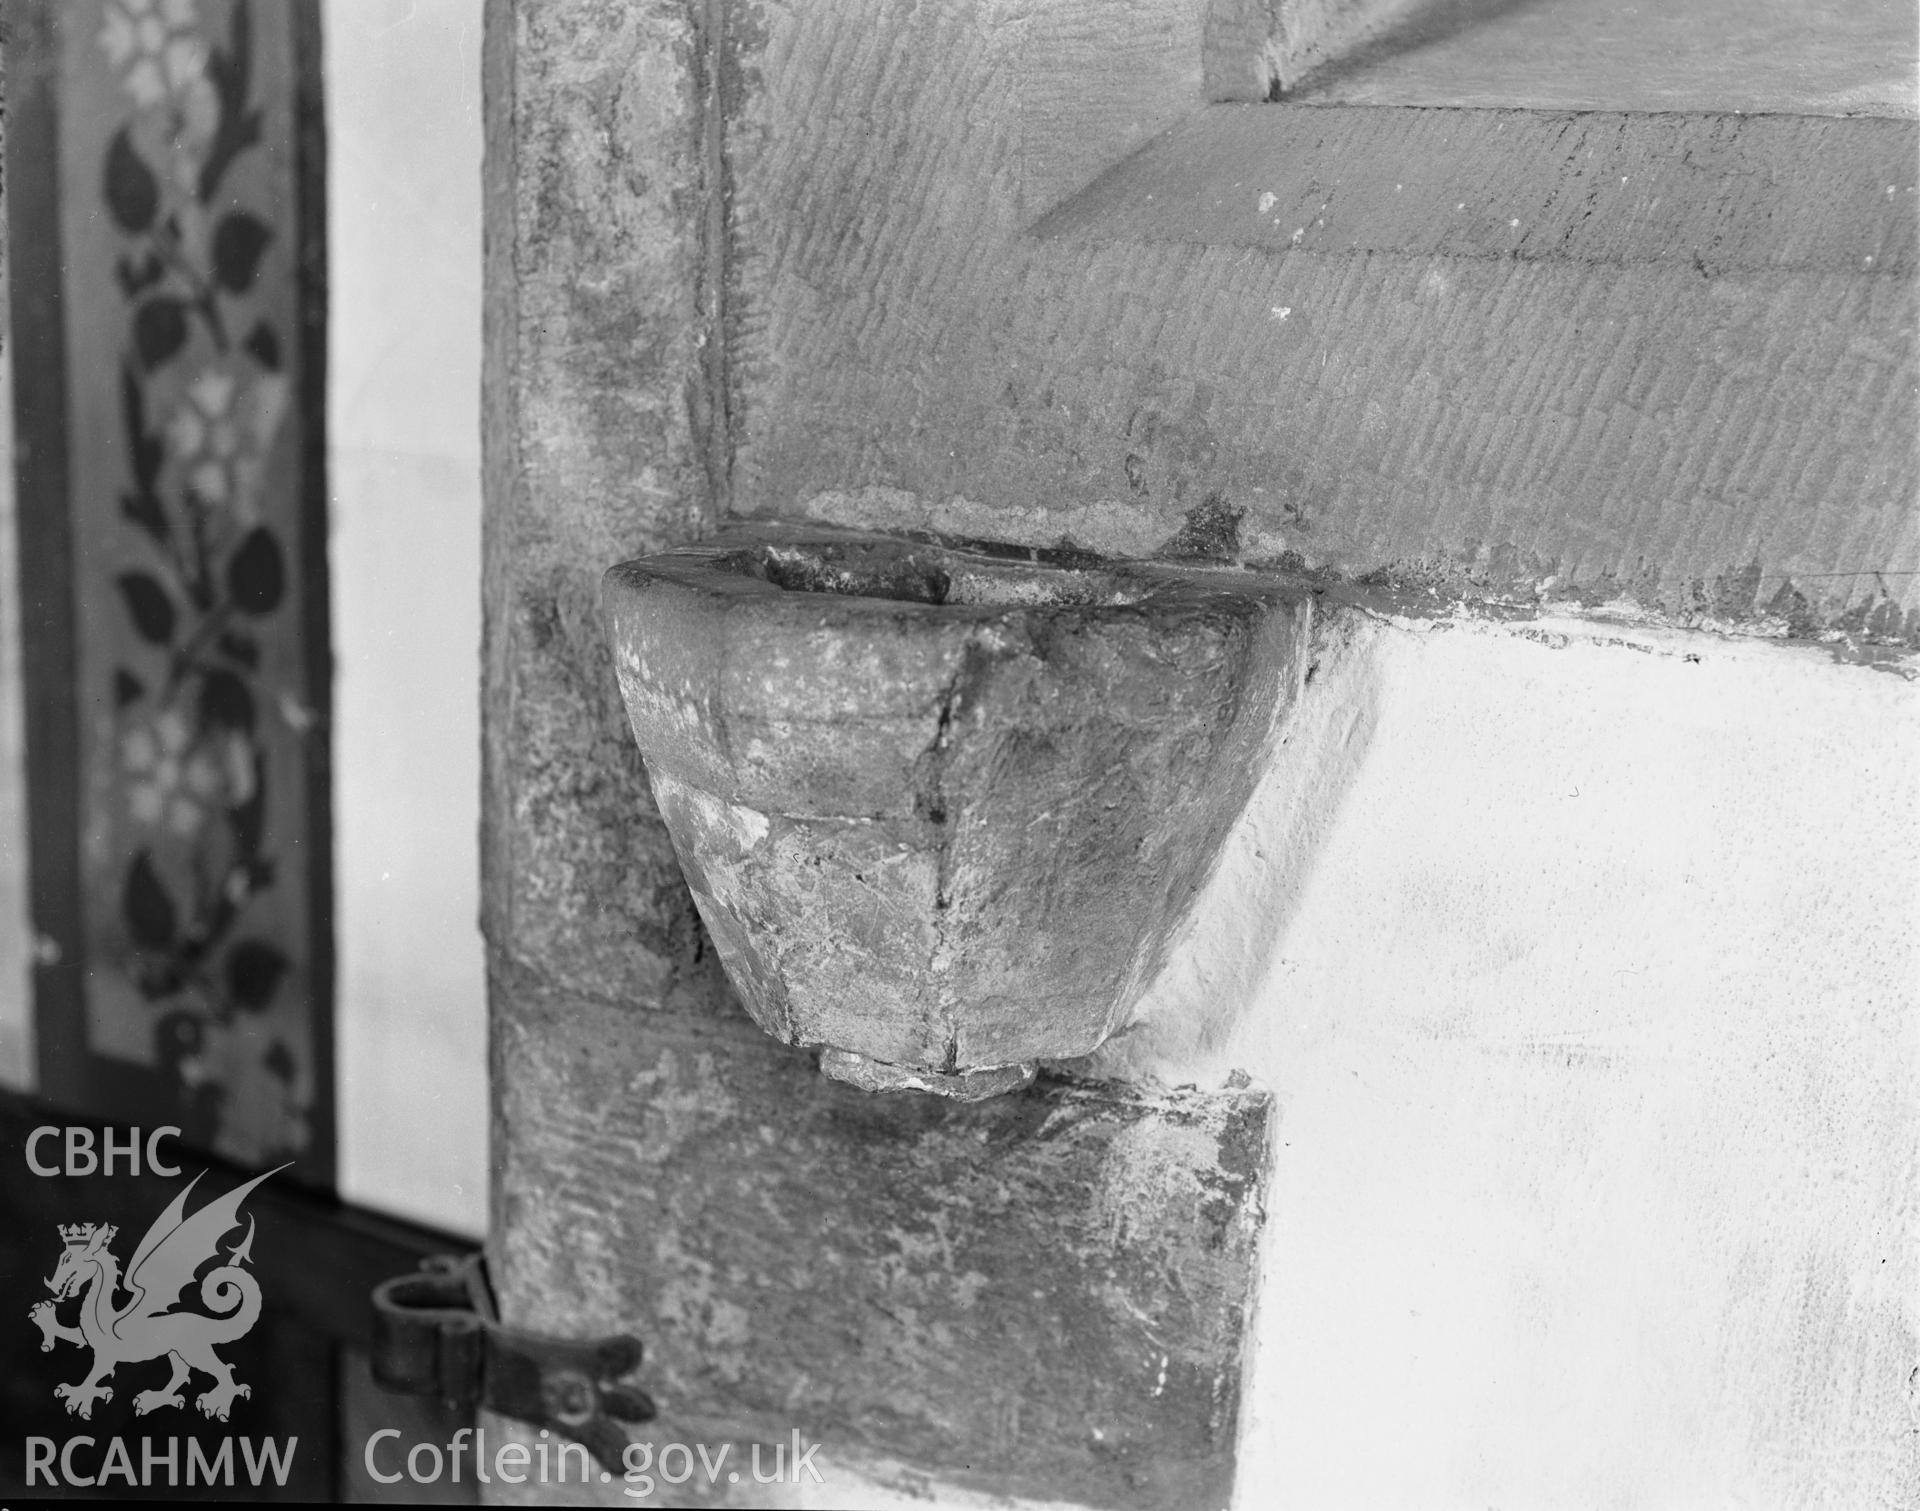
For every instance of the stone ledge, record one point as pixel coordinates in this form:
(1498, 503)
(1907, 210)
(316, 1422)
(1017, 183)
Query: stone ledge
(1041, 1295)
(1714, 193)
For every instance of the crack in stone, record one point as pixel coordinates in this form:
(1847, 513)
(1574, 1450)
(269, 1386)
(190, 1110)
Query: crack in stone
(930, 802)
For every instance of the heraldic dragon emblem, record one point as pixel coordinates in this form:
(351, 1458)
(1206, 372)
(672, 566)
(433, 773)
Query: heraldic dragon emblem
(146, 1325)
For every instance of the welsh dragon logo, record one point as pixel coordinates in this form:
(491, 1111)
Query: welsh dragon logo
(147, 1326)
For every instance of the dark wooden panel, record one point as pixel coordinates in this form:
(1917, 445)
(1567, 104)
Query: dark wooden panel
(316, 1262)
(47, 651)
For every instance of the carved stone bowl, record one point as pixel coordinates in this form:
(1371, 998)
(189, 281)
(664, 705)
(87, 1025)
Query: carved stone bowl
(942, 809)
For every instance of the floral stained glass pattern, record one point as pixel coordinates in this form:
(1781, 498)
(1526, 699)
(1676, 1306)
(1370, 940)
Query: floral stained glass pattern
(201, 718)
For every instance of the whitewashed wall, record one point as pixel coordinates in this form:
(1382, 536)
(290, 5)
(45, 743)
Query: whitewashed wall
(1582, 964)
(403, 104)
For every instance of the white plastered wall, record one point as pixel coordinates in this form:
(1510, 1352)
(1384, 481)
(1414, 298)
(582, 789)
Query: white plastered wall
(1581, 962)
(404, 142)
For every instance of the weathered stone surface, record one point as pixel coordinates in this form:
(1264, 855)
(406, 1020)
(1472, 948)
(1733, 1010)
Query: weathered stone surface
(1770, 194)
(1727, 442)
(1041, 1295)
(797, 1254)
(595, 446)
(1784, 57)
(1753, 57)
(1262, 49)
(944, 810)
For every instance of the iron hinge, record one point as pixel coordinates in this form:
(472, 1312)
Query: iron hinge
(438, 1333)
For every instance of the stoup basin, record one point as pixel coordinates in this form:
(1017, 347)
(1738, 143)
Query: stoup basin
(943, 808)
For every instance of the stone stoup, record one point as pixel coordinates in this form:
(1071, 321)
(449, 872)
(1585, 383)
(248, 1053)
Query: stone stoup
(892, 268)
(1044, 1295)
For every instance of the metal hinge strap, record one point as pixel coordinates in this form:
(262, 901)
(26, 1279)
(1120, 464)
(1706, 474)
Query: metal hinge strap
(437, 1333)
